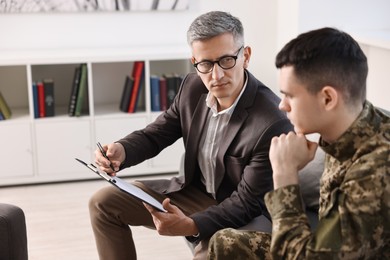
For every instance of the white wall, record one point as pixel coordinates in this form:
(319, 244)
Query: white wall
(353, 16)
(92, 30)
(348, 15)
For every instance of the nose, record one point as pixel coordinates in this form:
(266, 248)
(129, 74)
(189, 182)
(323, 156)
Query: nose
(283, 105)
(217, 72)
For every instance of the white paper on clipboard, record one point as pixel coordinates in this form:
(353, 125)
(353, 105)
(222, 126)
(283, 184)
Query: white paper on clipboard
(126, 187)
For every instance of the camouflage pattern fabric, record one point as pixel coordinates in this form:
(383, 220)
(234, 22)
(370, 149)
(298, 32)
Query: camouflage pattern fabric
(354, 214)
(232, 244)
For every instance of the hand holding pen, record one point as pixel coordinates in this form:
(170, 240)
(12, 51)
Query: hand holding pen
(105, 155)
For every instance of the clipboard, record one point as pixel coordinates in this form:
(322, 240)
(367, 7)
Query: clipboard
(125, 187)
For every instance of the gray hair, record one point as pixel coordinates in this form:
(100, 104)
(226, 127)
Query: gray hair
(215, 23)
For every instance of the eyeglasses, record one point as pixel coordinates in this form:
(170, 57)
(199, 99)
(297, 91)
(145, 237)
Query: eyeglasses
(225, 62)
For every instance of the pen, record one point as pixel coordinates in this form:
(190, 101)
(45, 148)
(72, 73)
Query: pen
(104, 154)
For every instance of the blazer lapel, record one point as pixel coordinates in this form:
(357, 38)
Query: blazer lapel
(235, 123)
(192, 146)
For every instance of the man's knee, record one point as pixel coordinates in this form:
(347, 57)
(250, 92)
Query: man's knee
(95, 206)
(105, 204)
(111, 204)
(99, 198)
(235, 244)
(220, 245)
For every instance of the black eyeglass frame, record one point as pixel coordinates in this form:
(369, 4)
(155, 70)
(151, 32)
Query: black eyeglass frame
(235, 57)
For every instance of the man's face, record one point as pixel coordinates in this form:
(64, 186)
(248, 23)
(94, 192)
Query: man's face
(224, 84)
(302, 107)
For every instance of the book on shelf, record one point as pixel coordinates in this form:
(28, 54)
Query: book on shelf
(171, 89)
(138, 76)
(41, 99)
(1, 116)
(48, 85)
(163, 93)
(35, 99)
(173, 85)
(155, 93)
(126, 93)
(82, 92)
(4, 108)
(74, 91)
(140, 104)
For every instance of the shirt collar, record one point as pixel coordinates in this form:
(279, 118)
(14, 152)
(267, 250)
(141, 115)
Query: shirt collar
(212, 102)
(365, 125)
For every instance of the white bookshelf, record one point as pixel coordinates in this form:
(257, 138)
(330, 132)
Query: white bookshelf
(38, 150)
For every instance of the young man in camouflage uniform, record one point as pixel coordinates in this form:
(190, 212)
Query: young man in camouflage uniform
(323, 82)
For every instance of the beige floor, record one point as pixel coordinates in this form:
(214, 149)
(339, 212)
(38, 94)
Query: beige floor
(58, 224)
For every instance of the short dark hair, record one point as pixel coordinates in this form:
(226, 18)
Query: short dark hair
(215, 23)
(327, 56)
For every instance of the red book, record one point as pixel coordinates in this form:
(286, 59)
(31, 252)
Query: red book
(137, 76)
(41, 99)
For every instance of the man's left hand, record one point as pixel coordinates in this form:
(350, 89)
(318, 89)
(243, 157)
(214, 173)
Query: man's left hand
(288, 154)
(173, 222)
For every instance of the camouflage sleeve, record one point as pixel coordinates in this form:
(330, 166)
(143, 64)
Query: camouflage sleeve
(290, 227)
(354, 227)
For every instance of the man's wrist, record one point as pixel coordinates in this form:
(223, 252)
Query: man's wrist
(193, 228)
(285, 179)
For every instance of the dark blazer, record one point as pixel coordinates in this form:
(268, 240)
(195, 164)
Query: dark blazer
(243, 170)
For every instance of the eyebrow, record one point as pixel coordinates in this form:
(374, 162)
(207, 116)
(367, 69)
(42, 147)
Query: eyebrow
(221, 57)
(285, 93)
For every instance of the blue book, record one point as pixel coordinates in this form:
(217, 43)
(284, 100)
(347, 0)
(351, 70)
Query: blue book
(35, 97)
(1, 116)
(155, 93)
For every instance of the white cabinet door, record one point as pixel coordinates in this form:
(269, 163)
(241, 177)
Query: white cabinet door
(109, 130)
(16, 150)
(169, 159)
(58, 143)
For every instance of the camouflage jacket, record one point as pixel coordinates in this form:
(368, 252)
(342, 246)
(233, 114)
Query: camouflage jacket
(354, 214)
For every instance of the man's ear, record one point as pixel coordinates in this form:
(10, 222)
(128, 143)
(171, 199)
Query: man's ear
(193, 62)
(329, 97)
(247, 56)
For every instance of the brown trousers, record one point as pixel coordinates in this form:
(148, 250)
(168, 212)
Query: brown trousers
(113, 211)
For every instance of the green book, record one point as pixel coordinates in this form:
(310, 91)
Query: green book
(75, 91)
(4, 108)
(82, 90)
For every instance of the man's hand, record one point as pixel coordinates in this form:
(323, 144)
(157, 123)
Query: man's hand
(289, 154)
(173, 222)
(115, 152)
